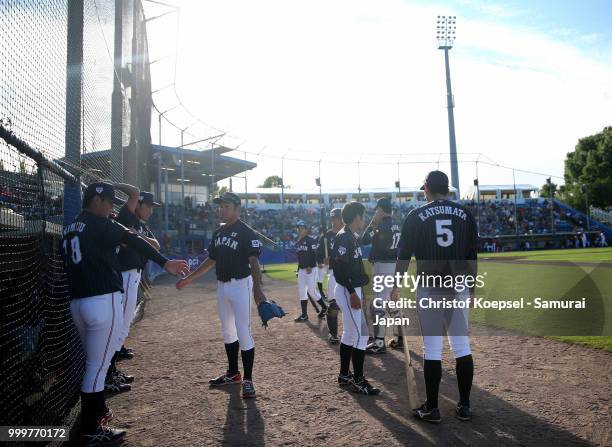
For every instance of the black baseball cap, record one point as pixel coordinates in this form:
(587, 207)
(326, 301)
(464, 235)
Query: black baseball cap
(148, 198)
(384, 203)
(227, 197)
(336, 212)
(437, 182)
(102, 189)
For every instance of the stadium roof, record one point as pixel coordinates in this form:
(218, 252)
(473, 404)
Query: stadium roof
(198, 168)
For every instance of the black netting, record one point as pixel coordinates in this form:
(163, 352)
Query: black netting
(45, 109)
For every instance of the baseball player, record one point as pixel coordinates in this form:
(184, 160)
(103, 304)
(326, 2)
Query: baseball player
(442, 235)
(306, 248)
(89, 247)
(325, 258)
(133, 215)
(383, 234)
(234, 251)
(350, 278)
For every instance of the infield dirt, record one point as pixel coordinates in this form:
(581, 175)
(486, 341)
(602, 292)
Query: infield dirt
(527, 390)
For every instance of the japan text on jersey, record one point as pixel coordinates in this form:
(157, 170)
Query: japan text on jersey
(231, 247)
(228, 241)
(306, 249)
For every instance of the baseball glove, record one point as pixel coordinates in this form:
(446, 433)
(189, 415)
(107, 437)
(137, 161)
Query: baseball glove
(268, 310)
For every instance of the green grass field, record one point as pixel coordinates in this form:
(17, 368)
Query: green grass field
(513, 279)
(570, 255)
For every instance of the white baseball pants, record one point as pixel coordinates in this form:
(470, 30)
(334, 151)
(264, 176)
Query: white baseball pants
(354, 325)
(99, 321)
(436, 322)
(234, 308)
(307, 284)
(131, 281)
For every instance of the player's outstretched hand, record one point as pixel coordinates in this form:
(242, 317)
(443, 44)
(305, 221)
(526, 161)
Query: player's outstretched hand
(182, 283)
(355, 301)
(177, 267)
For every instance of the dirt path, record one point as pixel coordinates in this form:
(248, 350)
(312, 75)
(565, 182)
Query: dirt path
(527, 391)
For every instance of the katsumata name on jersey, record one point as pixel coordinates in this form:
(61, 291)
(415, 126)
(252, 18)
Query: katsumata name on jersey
(435, 210)
(77, 227)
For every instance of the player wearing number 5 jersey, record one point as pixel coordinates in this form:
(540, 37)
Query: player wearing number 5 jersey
(442, 235)
(89, 246)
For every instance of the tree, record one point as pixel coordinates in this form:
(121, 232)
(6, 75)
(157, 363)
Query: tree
(588, 172)
(545, 190)
(274, 181)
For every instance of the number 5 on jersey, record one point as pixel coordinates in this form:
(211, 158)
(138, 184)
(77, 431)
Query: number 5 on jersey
(75, 250)
(444, 236)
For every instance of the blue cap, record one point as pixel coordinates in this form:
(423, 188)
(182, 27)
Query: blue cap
(437, 182)
(336, 212)
(300, 223)
(102, 189)
(148, 199)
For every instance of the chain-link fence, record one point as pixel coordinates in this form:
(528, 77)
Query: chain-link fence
(74, 107)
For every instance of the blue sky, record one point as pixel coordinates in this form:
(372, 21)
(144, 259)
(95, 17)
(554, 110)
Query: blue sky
(585, 24)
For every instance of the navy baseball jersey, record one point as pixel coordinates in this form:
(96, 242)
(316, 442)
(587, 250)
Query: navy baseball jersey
(326, 247)
(306, 249)
(348, 265)
(231, 247)
(89, 246)
(384, 239)
(128, 258)
(437, 232)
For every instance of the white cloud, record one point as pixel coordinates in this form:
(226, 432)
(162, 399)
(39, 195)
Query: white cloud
(359, 77)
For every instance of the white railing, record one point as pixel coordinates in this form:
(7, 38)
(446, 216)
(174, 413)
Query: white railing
(605, 217)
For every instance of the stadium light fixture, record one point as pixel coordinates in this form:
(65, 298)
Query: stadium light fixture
(446, 28)
(445, 34)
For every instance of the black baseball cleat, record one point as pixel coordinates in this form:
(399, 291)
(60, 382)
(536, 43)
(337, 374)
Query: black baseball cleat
(114, 386)
(125, 353)
(103, 436)
(361, 386)
(123, 377)
(248, 389)
(333, 339)
(373, 348)
(345, 379)
(301, 319)
(463, 412)
(425, 414)
(226, 379)
(322, 314)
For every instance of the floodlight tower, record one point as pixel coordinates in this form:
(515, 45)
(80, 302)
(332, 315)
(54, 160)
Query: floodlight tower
(445, 33)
